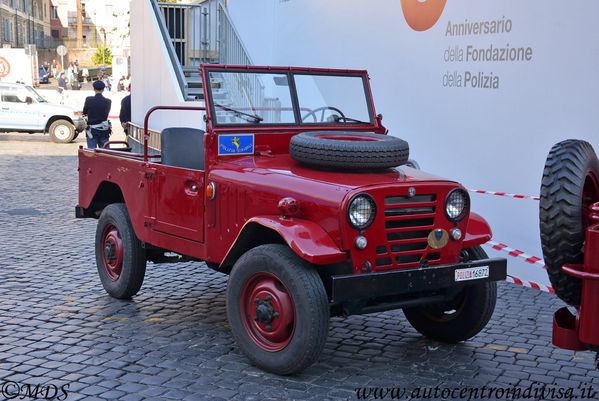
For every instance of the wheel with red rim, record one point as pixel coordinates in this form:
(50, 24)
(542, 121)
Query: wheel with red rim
(348, 150)
(120, 258)
(277, 309)
(570, 186)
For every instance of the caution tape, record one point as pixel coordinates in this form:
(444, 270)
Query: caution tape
(516, 196)
(533, 260)
(529, 284)
(516, 253)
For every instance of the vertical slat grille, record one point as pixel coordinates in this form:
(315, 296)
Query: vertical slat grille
(408, 222)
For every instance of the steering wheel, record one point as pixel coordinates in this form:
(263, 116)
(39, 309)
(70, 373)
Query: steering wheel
(323, 109)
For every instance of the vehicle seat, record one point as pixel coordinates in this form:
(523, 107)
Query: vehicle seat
(183, 147)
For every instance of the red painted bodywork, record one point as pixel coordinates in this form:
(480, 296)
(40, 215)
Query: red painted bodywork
(166, 212)
(581, 332)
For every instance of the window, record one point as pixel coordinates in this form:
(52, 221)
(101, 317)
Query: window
(7, 35)
(53, 12)
(55, 33)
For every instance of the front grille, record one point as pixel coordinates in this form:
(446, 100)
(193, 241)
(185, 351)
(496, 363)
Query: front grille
(408, 222)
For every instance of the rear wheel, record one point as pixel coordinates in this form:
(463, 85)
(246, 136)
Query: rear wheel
(570, 186)
(62, 131)
(277, 309)
(120, 259)
(461, 318)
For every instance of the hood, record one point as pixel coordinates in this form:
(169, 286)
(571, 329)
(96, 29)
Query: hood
(285, 166)
(56, 109)
(283, 176)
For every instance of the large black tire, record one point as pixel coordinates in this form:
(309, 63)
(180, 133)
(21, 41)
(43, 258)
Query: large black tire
(463, 317)
(349, 150)
(62, 131)
(120, 258)
(285, 333)
(566, 193)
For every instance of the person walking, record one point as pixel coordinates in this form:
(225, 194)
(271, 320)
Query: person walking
(125, 115)
(62, 87)
(96, 109)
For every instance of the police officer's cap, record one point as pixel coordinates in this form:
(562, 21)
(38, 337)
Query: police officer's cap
(99, 85)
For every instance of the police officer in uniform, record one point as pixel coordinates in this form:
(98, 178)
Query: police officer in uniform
(97, 108)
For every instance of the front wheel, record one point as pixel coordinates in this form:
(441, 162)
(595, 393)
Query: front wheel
(461, 318)
(62, 131)
(120, 258)
(277, 309)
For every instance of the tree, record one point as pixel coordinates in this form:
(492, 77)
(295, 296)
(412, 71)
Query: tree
(102, 56)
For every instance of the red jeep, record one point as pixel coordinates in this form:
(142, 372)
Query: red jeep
(297, 193)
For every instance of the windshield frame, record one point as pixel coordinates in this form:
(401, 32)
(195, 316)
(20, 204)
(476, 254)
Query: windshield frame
(290, 72)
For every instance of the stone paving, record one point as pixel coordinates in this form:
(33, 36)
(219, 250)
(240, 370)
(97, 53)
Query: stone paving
(172, 342)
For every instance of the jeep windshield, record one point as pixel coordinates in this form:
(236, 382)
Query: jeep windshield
(242, 97)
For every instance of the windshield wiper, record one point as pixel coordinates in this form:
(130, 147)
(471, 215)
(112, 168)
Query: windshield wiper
(349, 119)
(255, 118)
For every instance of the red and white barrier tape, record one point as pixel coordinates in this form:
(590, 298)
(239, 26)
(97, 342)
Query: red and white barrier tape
(529, 284)
(533, 260)
(515, 253)
(516, 196)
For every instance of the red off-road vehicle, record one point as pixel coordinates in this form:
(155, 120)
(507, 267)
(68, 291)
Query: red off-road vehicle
(569, 220)
(297, 193)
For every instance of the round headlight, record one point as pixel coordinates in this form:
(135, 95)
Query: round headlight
(361, 211)
(457, 205)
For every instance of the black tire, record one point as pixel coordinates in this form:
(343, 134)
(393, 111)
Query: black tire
(62, 131)
(463, 317)
(568, 168)
(297, 347)
(374, 151)
(122, 271)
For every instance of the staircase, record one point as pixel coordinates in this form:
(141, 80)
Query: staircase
(200, 34)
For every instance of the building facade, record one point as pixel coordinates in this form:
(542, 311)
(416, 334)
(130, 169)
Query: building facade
(25, 22)
(103, 22)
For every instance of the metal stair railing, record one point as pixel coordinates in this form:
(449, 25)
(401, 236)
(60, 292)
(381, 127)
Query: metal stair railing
(170, 50)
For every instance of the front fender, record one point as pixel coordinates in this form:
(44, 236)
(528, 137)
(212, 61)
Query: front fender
(304, 237)
(478, 231)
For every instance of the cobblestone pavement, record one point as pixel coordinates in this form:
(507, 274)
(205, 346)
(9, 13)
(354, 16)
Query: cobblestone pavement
(58, 327)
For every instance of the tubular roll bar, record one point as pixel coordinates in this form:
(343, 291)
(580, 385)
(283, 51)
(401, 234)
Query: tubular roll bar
(153, 109)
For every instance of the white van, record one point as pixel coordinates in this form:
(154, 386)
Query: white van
(25, 110)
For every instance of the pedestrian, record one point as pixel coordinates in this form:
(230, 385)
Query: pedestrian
(62, 87)
(121, 84)
(96, 109)
(107, 82)
(54, 68)
(125, 115)
(85, 73)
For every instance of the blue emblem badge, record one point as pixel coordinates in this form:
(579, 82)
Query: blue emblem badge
(438, 235)
(239, 144)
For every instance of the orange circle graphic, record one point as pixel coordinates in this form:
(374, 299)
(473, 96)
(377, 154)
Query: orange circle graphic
(422, 15)
(4, 67)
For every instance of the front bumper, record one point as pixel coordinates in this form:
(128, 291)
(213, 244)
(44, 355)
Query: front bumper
(79, 124)
(353, 287)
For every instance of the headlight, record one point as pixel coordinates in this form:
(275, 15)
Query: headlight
(361, 211)
(457, 205)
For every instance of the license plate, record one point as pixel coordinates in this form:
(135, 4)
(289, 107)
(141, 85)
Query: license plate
(472, 273)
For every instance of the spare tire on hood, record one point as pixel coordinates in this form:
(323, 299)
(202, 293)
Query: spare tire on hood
(348, 150)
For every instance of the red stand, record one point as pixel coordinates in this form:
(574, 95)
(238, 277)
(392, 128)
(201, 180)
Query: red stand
(581, 332)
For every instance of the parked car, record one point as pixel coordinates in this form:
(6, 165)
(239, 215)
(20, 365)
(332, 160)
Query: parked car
(297, 192)
(44, 75)
(25, 110)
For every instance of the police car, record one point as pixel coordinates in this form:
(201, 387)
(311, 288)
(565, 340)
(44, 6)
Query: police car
(23, 109)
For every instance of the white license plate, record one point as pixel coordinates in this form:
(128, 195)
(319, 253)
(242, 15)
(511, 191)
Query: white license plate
(472, 273)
